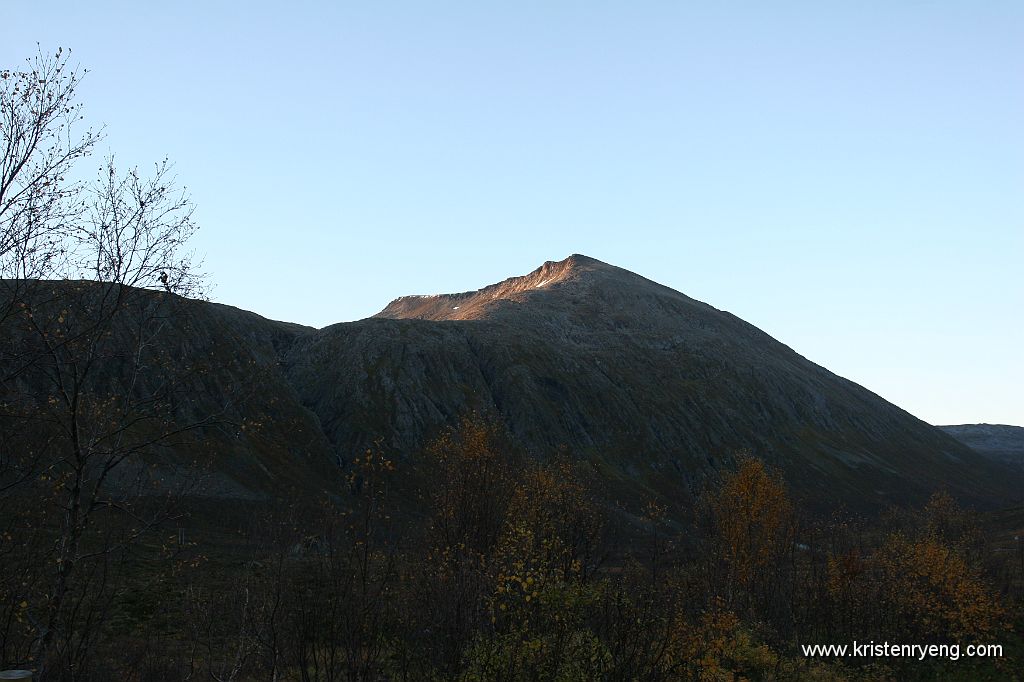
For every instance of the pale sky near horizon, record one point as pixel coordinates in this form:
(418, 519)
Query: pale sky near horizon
(846, 176)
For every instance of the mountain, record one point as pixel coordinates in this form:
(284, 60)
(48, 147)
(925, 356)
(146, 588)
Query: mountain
(998, 441)
(656, 390)
(207, 374)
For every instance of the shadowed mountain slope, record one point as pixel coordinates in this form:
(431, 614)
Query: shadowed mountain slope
(205, 375)
(658, 389)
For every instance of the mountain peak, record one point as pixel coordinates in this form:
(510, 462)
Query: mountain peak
(470, 305)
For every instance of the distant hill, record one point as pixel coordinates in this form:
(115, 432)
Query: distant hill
(998, 441)
(657, 390)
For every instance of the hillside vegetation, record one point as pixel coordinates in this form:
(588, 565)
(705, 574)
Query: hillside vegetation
(517, 569)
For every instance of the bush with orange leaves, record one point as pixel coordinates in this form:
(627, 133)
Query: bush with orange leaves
(715, 646)
(923, 582)
(752, 526)
(929, 591)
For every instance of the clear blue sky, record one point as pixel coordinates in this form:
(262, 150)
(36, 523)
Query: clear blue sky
(846, 176)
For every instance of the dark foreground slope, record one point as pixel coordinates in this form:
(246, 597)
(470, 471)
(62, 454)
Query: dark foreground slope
(191, 392)
(657, 388)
